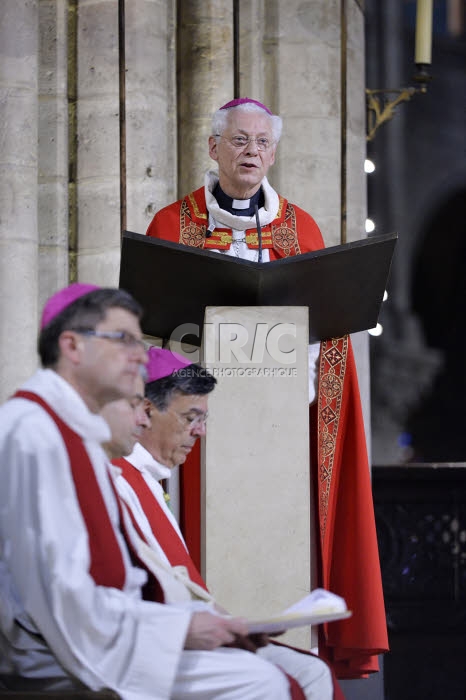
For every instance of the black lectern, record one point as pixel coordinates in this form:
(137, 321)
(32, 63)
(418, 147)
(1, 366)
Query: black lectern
(343, 285)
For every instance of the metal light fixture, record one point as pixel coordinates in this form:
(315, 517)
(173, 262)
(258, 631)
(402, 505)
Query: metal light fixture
(379, 107)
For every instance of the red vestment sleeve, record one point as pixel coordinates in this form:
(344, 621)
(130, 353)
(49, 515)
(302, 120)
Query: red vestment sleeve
(166, 223)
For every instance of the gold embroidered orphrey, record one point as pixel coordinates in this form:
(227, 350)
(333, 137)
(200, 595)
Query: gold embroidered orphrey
(284, 234)
(333, 359)
(191, 234)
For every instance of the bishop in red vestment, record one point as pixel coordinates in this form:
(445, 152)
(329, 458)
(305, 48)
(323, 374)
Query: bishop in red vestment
(222, 216)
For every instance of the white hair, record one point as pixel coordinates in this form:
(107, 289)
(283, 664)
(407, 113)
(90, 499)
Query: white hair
(220, 119)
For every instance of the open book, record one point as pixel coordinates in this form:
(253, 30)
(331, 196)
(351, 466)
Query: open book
(314, 609)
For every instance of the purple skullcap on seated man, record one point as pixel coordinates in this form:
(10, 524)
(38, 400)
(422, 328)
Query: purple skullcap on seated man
(63, 298)
(80, 308)
(243, 101)
(163, 363)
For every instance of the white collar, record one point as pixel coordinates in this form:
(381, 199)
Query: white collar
(68, 404)
(142, 460)
(267, 213)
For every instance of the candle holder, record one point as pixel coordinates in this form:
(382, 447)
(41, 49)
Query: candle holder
(380, 108)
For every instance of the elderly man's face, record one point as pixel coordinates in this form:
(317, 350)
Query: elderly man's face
(174, 431)
(127, 420)
(241, 170)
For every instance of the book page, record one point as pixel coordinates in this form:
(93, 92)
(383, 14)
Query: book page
(318, 601)
(314, 609)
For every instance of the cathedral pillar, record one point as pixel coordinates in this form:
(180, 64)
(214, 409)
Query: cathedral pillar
(53, 148)
(353, 186)
(95, 225)
(205, 60)
(18, 191)
(150, 98)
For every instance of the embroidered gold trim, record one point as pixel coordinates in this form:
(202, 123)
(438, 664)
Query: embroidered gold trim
(200, 214)
(285, 236)
(332, 371)
(281, 203)
(253, 239)
(191, 234)
(221, 237)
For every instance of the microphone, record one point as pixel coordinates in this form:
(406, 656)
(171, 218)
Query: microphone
(259, 233)
(210, 230)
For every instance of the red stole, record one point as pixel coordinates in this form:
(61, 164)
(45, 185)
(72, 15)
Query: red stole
(107, 566)
(163, 530)
(296, 692)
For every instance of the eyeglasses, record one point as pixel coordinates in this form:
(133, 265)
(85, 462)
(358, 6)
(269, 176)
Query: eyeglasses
(124, 337)
(189, 421)
(262, 143)
(186, 420)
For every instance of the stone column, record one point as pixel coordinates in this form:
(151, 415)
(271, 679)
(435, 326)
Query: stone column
(97, 143)
(53, 148)
(18, 191)
(151, 162)
(257, 51)
(205, 61)
(354, 124)
(302, 83)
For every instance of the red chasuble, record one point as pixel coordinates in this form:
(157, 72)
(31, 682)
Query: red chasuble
(349, 561)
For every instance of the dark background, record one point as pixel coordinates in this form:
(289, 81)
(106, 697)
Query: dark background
(418, 367)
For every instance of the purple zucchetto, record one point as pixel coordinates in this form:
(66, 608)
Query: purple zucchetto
(245, 101)
(63, 298)
(162, 363)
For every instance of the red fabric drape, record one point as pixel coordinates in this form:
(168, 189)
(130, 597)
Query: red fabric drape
(160, 525)
(190, 503)
(106, 560)
(106, 566)
(348, 540)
